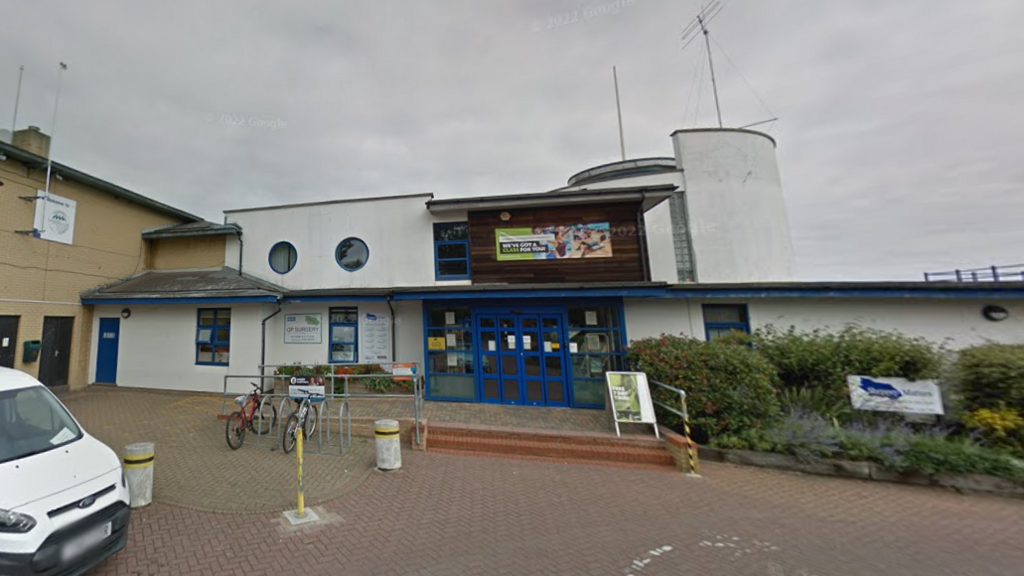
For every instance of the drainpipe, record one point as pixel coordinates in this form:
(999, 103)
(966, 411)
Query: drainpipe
(642, 234)
(263, 340)
(241, 247)
(394, 352)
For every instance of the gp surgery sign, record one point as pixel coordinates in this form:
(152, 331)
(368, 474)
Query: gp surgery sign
(554, 242)
(303, 328)
(895, 395)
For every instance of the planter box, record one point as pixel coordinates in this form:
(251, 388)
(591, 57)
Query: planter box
(864, 471)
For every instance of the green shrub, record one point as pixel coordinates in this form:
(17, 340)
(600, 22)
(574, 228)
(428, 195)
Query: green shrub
(728, 387)
(991, 376)
(817, 401)
(822, 359)
(936, 455)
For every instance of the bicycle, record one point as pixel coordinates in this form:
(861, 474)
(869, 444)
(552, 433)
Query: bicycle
(247, 419)
(308, 418)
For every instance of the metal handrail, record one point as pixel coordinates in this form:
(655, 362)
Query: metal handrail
(682, 400)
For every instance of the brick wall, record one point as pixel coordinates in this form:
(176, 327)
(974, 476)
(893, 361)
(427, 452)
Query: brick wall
(176, 253)
(40, 278)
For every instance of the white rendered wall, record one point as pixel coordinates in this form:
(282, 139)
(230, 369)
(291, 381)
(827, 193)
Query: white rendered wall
(156, 347)
(653, 317)
(737, 212)
(398, 232)
(957, 324)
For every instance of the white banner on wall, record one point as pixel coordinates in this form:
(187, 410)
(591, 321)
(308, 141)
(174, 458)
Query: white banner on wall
(895, 395)
(54, 218)
(374, 337)
(303, 328)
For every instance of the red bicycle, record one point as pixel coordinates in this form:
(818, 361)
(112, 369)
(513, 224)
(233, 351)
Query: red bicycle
(255, 415)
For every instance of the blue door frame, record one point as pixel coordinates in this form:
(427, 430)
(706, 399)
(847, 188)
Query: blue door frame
(106, 350)
(521, 355)
(556, 308)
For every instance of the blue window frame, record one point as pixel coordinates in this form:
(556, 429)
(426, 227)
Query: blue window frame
(724, 319)
(344, 335)
(451, 251)
(213, 336)
(283, 257)
(597, 344)
(352, 254)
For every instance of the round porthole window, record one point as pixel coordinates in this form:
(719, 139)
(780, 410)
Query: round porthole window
(352, 254)
(995, 313)
(283, 257)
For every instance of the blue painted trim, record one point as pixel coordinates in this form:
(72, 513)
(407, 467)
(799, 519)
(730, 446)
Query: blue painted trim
(338, 299)
(360, 267)
(271, 263)
(743, 326)
(330, 335)
(212, 300)
(757, 293)
(213, 342)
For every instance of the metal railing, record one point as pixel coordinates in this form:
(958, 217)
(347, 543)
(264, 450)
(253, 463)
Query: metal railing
(691, 454)
(325, 438)
(1011, 273)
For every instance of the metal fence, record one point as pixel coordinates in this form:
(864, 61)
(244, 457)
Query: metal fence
(1012, 273)
(325, 439)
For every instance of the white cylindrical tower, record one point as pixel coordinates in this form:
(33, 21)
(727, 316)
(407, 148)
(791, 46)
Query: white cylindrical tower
(735, 210)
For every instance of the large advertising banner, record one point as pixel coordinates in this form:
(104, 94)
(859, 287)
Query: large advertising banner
(554, 242)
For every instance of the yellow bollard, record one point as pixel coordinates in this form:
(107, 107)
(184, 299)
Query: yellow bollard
(298, 454)
(691, 455)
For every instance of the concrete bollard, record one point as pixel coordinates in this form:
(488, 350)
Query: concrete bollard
(138, 470)
(389, 445)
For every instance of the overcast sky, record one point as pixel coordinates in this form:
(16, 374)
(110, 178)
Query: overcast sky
(900, 141)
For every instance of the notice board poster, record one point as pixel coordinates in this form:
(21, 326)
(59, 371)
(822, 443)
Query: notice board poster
(631, 397)
(554, 242)
(374, 338)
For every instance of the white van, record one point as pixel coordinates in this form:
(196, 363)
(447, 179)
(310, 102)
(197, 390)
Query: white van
(64, 503)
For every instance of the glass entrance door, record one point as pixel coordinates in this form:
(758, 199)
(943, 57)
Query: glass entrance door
(522, 358)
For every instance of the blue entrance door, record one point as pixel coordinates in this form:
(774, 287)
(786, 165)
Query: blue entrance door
(106, 352)
(522, 358)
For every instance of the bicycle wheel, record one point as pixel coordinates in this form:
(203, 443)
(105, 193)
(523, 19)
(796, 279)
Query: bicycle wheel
(312, 417)
(269, 415)
(235, 430)
(288, 440)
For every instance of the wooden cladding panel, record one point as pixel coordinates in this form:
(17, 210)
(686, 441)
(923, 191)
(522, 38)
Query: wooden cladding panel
(625, 265)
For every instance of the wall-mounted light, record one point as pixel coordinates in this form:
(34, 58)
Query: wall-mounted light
(995, 313)
(505, 216)
(126, 313)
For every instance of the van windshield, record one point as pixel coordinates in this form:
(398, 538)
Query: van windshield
(33, 421)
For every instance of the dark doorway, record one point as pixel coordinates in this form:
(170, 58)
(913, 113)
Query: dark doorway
(55, 357)
(8, 340)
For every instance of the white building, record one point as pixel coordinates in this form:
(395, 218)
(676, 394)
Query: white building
(519, 299)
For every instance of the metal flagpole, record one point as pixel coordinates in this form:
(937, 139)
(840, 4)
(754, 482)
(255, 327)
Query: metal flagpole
(53, 127)
(618, 109)
(17, 98)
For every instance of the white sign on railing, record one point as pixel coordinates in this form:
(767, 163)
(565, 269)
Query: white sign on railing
(300, 387)
(895, 395)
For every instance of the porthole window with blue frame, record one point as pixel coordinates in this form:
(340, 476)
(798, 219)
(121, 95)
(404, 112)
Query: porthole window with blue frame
(344, 326)
(283, 257)
(451, 251)
(213, 336)
(352, 254)
(724, 319)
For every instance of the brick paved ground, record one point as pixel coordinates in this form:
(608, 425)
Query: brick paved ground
(194, 466)
(460, 515)
(447, 514)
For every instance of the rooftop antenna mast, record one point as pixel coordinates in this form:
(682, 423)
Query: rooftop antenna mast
(700, 24)
(618, 109)
(17, 98)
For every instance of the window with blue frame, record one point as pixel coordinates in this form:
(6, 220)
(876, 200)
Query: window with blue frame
(724, 319)
(213, 336)
(595, 347)
(451, 373)
(344, 327)
(451, 251)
